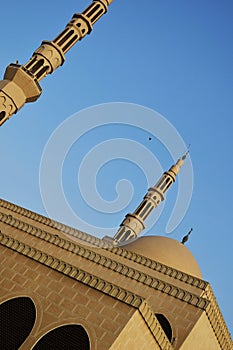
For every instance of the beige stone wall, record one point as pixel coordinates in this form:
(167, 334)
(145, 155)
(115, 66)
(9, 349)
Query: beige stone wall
(61, 300)
(201, 334)
(135, 336)
(182, 316)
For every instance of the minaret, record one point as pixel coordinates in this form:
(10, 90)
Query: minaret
(21, 82)
(133, 224)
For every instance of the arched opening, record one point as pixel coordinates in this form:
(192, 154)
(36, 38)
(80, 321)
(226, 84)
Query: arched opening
(42, 72)
(2, 115)
(17, 318)
(68, 337)
(37, 66)
(165, 325)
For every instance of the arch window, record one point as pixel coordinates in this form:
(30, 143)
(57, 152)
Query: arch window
(37, 66)
(61, 35)
(147, 210)
(17, 318)
(139, 208)
(70, 43)
(128, 235)
(68, 337)
(120, 233)
(165, 325)
(66, 37)
(97, 16)
(42, 72)
(31, 62)
(165, 184)
(159, 183)
(2, 115)
(91, 10)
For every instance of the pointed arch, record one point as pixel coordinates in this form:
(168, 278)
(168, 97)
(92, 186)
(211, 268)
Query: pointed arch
(67, 337)
(17, 318)
(165, 324)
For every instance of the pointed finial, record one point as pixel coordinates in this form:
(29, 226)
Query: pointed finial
(186, 153)
(186, 237)
(176, 167)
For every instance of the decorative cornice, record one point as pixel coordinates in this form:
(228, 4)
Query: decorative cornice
(71, 271)
(91, 240)
(159, 267)
(92, 281)
(154, 326)
(53, 224)
(116, 266)
(217, 321)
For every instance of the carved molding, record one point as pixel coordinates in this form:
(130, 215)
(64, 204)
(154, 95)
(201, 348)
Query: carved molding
(217, 321)
(71, 271)
(159, 267)
(52, 223)
(154, 326)
(97, 258)
(91, 240)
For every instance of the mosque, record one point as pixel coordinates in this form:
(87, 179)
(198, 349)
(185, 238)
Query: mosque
(65, 289)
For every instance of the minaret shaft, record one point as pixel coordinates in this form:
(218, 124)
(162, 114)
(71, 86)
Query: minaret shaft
(133, 224)
(21, 82)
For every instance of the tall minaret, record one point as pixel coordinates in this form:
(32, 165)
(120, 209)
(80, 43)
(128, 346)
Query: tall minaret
(133, 224)
(21, 82)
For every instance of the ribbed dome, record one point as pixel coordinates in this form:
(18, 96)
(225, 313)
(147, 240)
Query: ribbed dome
(168, 251)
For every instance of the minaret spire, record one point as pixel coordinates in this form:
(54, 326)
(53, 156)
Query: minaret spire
(133, 224)
(21, 82)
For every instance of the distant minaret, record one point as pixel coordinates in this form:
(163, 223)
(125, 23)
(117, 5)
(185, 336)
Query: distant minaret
(133, 224)
(21, 82)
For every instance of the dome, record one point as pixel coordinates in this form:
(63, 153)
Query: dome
(167, 251)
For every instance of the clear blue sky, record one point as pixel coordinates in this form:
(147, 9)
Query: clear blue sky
(174, 57)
